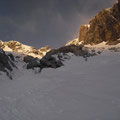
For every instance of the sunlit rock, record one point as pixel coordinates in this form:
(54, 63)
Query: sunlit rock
(105, 26)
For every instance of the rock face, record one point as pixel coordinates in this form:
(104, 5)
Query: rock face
(50, 58)
(15, 46)
(73, 42)
(105, 26)
(55, 57)
(32, 62)
(77, 50)
(51, 62)
(45, 62)
(6, 63)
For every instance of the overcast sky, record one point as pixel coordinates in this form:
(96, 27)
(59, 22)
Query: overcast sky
(46, 22)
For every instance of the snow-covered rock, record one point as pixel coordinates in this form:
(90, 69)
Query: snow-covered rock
(73, 42)
(56, 57)
(15, 46)
(6, 63)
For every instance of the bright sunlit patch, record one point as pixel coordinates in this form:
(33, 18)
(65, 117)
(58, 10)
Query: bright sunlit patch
(15, 46)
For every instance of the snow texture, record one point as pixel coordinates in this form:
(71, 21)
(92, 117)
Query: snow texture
(80, 90)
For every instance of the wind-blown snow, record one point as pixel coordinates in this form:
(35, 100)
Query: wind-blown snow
(80, 90)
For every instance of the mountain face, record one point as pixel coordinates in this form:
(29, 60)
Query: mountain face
(56, 57)
(53, 59)
(13, 53)
(15, 46)
(6, 63)
(85, 87)
(105, 26)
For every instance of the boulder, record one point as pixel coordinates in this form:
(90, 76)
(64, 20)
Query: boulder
(28, 59)
(50, 61)
(31, 62)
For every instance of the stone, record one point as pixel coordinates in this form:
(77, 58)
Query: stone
(28, 59)
(50, 62)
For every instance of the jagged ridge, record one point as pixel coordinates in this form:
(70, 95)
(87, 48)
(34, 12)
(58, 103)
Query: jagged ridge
(15, 46)
(105, 26)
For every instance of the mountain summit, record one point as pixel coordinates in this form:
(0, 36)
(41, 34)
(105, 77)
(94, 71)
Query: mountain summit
(105, 26)
(15, 46)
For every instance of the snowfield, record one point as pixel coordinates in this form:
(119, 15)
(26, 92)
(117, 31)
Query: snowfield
(80, 90)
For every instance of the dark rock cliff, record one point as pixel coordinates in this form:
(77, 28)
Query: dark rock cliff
(6, 63)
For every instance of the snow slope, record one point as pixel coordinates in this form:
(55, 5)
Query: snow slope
(80, 90)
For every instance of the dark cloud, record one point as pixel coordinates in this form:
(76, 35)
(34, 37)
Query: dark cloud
(46, 22)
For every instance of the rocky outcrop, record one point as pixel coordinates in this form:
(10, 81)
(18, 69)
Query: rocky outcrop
(55, 58)
(15, 46)
(32, 62)
(51, 62)
(50, 58)
(45, 62)
(1, 44)
(6, 63)
(73, 42)
(77, 50)
(105, 26)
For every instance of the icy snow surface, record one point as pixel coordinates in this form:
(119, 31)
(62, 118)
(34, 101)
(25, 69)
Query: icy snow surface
(80, 90)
